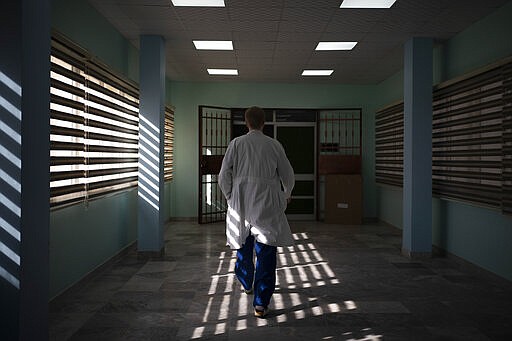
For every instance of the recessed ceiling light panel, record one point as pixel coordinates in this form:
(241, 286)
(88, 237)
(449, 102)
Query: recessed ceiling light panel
(367, 3)
(213, 44)
(225, 72)
(335, 45)
(317, 72)
(199, 3)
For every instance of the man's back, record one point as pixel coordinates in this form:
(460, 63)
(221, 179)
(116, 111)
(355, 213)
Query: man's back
(253, 170)
(258, 155)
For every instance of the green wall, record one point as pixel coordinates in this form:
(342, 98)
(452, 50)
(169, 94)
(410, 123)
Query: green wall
(81, 23)
(486, 41)
(187, 96)
(82, 237)
(476, 234)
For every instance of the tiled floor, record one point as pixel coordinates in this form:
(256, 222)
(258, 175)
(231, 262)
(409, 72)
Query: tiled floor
(336, 283)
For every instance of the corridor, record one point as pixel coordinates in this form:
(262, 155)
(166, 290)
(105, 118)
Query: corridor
(336, 283)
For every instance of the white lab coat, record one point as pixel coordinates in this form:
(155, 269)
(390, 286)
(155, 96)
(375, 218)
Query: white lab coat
(252, 171)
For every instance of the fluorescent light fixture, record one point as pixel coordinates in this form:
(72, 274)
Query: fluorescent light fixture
(367, 3)
(335, 45)
(227, 72)
(199, 3)
(317, 72)
(213, 44)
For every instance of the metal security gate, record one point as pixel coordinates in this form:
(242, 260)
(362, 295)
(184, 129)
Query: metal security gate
(215, 134)
(317, 143)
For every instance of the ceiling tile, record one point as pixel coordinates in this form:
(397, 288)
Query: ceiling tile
(275, 39)
(201, 13)
(207, 25)
(302, 26)
(255, 54)
(253, 3)
(251, 26)
(262, 36)
(250, 14)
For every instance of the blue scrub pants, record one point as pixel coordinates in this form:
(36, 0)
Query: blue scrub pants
(263, 280)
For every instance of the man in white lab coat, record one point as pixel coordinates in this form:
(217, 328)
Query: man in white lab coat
(253, 170)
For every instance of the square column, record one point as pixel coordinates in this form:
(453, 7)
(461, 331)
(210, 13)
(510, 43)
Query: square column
(24, 169)
(417, 187)
(151, 146)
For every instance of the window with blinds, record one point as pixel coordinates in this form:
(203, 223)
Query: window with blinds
(507, 139)
(169, 144)
(467, 138)
(93, 127)
(389, 145)
(471, 139)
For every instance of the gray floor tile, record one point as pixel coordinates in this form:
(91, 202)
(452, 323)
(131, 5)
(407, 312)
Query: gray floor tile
(336, 283)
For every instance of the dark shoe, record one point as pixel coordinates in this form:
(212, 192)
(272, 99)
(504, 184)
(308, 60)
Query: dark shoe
(260, 311)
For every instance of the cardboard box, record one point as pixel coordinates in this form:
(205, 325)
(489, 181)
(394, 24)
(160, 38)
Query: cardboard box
(343, 199)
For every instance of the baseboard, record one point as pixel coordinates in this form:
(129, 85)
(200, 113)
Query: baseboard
(416, 255)
(151, 255)
(182, 219)
(466, 265)
(95, 272)
(385, 223)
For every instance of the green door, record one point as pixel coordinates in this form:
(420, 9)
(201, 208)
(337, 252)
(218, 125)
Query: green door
(298, 140)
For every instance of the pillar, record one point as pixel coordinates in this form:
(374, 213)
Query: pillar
(417, 186)
(151, 146)
(24, 168)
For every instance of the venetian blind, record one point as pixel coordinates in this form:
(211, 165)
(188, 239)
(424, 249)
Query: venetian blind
(471, 139)
(507, 139)
(389, 145)
(93, 127)
(169, 144)
(467, 138)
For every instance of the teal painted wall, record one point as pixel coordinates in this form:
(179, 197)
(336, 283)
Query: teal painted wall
(486, 41)
(84, 237)
(187, 96)
(476, 234)
(479, 235)
(389, 199)
(81, 23)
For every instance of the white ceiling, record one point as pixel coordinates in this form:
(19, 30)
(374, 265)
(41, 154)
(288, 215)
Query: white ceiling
(274, 40)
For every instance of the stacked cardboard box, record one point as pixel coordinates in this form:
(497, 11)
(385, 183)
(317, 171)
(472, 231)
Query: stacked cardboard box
(343, 199)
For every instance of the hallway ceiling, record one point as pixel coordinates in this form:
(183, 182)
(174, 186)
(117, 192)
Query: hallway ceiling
(274, 40)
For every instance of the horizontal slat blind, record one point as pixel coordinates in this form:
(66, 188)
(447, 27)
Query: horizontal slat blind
(169, 144)
(389, 145)
(67, 122)
(471, 139)
(466, 139)
(507, 139)
(94, 128)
